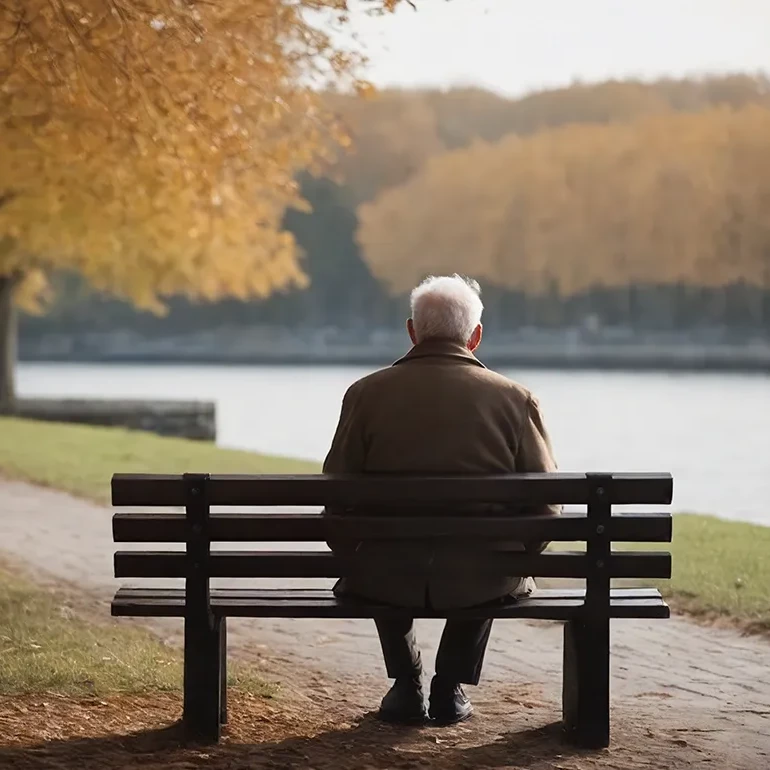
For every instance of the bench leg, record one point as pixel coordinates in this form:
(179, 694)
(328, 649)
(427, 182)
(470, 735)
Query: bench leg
(202, 679)
(586, 689)
(223, 671)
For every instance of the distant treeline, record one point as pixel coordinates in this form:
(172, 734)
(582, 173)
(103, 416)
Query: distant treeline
(643, 204)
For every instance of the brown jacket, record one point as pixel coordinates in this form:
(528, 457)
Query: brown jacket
(438, 410)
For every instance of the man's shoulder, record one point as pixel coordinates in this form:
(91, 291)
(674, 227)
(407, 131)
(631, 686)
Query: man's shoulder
(372, 380)
(505, 385)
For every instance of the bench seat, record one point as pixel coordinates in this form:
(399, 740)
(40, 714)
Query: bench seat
(546, 604)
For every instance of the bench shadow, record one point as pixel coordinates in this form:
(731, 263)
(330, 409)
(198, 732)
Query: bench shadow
(367, 743)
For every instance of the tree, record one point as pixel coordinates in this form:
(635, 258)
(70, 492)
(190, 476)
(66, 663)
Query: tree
(152, 146)
(670, 199)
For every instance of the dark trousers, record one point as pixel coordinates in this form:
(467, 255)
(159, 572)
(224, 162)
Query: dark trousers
(460, 655)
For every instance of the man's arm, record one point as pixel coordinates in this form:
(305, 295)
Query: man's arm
(535, 455)
(347, 453)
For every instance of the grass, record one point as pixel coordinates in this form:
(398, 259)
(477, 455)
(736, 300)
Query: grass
(46, 646)
(81, 459)
(721, 569)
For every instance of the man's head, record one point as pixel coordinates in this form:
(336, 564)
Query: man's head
(446, 308)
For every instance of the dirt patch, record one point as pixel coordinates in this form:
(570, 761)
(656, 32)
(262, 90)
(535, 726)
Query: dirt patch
(520, 730)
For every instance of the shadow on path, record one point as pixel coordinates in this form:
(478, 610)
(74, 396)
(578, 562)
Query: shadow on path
(366, 744)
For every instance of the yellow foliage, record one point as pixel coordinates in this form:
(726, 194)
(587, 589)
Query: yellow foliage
(152, 145)
(669, 198)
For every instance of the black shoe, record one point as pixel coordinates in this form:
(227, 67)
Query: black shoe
(448, 703)
(404, 704)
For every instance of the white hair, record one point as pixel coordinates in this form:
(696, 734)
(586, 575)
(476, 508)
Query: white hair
(446, 307)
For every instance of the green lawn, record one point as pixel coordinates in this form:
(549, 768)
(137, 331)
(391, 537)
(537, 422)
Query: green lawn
(720, 568)
(46, 647)
(81, 459)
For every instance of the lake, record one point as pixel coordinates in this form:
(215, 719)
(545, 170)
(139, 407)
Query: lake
(712, 431)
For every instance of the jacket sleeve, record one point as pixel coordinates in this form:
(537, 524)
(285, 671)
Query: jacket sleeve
(535, 455)
(347, 453)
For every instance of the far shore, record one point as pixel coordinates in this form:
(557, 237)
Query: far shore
(692, 360)
(615, 348)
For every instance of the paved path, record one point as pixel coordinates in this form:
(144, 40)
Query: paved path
(714, 679)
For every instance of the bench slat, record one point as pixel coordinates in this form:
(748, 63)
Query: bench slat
(298, 527)
(321, 603)
(314, 594)
(537, 489)
(292, 564)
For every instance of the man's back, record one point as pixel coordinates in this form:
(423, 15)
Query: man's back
(437, 411)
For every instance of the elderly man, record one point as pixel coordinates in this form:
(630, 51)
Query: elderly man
(437, 410)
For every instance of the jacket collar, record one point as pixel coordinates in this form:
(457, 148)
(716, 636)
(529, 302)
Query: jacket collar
(438, 348)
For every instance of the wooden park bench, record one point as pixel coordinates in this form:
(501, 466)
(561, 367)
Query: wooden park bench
(586, 612)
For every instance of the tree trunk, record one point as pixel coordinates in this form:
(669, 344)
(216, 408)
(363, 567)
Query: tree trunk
(8, 334)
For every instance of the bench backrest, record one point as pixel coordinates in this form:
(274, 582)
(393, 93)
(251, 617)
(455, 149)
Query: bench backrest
(197, 527)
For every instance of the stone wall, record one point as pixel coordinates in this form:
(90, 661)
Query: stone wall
(185, 419)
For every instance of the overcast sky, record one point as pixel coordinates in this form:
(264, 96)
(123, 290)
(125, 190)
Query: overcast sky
(514, 46)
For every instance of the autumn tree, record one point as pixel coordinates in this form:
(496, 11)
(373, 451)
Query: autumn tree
(152, 146)
(668, 199)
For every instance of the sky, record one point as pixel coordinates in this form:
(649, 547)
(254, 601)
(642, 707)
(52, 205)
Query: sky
(516, 46)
